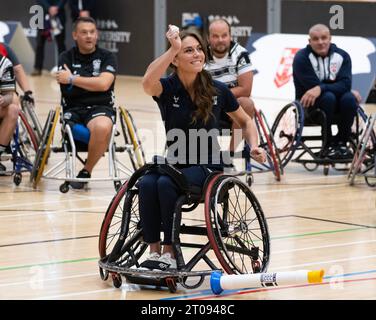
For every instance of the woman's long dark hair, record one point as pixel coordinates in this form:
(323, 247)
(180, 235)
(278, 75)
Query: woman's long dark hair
(203, 87)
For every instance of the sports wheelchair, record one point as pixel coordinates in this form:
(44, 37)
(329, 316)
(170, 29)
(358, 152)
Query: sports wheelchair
(21, 150)
(364, 162)
(71, 146)
(266, 141)
(235, 230)
(287, 131)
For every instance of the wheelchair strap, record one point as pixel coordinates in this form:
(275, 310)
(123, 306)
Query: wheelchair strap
(176, 175)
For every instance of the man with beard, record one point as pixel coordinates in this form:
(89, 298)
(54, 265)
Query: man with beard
(229, 63)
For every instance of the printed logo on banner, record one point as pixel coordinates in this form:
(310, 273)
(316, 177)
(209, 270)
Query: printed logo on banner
(110, 36)
(237, 30)
(284, 71)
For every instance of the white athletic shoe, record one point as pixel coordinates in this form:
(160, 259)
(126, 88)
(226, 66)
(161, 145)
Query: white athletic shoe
(167, 260)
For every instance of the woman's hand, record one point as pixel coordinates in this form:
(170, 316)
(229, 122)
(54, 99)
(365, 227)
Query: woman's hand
(258, 154)
(173, 37)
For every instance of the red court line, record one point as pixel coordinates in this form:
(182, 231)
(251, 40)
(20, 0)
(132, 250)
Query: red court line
(279, 288)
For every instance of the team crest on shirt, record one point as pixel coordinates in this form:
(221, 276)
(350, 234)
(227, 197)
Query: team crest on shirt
(96, 67)
(333, 67)
(176, 100)
(215, 100)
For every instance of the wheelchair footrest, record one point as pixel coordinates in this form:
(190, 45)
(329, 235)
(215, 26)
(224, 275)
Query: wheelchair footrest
(152, 275)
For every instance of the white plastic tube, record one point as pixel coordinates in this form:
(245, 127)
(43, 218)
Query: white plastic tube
(219, 282)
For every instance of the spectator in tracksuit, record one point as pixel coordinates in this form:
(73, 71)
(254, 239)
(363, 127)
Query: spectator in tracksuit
(82, 8)
(322, 79)
(54, 29)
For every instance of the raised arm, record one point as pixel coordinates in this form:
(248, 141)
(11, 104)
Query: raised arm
(150, 82)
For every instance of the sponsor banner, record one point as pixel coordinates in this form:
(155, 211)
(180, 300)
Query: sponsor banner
(245, 17)
(272, 57)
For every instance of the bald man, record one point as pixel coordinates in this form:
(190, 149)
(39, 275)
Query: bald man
(322, 79)
(229, 63)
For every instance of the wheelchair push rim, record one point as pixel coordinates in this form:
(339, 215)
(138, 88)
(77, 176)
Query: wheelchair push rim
(287, 130)
(236, 226)
(136, 152)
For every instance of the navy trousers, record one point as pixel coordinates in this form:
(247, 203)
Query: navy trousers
(157, 197)
(345, 106)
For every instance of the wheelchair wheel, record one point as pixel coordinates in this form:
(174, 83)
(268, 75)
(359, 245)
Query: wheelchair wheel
(29, 109)
(268, 144)
(131, 137)
(358, 129)
(364, 155)
(28, 142)
(236, 225)
(44, 147)
(120, 238)
(287, 130)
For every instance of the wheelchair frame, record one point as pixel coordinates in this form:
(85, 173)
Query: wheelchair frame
(228, 236)
(69, 146)
(364, 162)
(288, 128)
(22, 142)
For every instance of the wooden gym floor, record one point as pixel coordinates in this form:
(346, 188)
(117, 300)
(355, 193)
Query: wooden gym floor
(49, 240)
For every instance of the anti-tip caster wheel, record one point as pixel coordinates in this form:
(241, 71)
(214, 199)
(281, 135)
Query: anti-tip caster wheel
(171, 284)
(17, 179)
(64, 188)
(103, 273)
(250, 180)
(116, 280)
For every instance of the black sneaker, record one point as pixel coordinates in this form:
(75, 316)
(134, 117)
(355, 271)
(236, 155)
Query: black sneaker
(340, 152)
(345, 152)
(80, 185)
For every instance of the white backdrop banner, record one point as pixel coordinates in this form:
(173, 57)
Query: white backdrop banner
(272, 56)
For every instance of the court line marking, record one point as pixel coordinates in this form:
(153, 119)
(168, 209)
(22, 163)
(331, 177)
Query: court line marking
(256, 290)
(75, 294)
(10, 284)
(274, 252)
(211, 295)
(206, 294)
(96, 258)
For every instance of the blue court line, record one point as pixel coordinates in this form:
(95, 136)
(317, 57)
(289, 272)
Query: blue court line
(228, 292)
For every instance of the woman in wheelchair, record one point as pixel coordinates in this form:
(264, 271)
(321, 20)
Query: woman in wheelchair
(190, 103)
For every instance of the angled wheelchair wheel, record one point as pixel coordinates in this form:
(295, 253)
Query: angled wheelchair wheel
(29, 110)
(120, 237)
(364, 156)
(44, 147)
(27, 139)
(287, 130)
(358, 130)
(236, 225)
(268, 144)
(131, 137)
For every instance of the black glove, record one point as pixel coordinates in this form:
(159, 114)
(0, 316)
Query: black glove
(28, 96)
